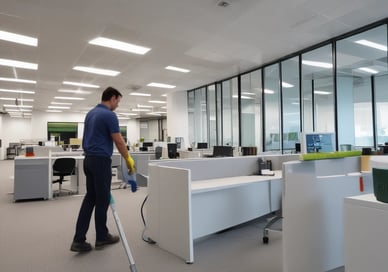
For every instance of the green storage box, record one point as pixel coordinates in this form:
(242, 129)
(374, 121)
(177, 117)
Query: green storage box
(380, 184)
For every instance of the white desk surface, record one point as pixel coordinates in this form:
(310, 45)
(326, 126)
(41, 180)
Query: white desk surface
(208, 185)
(368, 200)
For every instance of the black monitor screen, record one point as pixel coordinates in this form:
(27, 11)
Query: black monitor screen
(223, 151)
(172, 150)
(148, 144)
(202, 145)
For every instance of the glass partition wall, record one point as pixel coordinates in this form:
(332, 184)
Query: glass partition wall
(339, 86)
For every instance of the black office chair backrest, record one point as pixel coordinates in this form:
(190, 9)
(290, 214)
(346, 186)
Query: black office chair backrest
(158, 152)
(64, 166)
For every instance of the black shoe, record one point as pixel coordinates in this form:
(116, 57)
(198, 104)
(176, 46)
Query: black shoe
(80, 247)
(110, 239)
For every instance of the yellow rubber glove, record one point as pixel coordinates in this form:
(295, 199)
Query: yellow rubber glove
(130, 164)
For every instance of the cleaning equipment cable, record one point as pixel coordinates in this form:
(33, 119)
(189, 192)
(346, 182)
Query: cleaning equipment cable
(145, 239)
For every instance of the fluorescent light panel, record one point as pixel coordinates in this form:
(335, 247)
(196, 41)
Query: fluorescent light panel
(16, 91)
(142, 109)
(157, 102)
(123, 46)
(17, 106)
(61, 103)
(368, 70)
(372, 44)
(161, 85)
(322, 92)
(79, 84)
(19, 99)
(19, 64)
(287, 85)
(140, 94)
(74, 91)
(177, 69)
(97, 71)
(144, 106)
(69, 98)
(59, 107)
(317, 64)
(17, 38)
(19, 80)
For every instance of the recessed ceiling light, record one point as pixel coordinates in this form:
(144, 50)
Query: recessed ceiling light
(61, 103)
(79, 84)
(140, 94)
(74, 91)
(16, 91)
(18, 110)
(69, 98)
(322, 92)
(17, 38)
(17, 80)
(19, 64)
(368, 70)
(128, 113)
(153, 113)
(317, 64)
(287, 85)
(141, 109)
(59, 107)
(98, 71)
(123, 46)
(19, 99)
(268, 91)
(17, 106)
(372, 44)
(161, 85)
(144, 106)
(177, 69)
(53, 111)
(157, 101)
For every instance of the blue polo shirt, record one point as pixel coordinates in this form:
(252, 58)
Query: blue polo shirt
(100, 123)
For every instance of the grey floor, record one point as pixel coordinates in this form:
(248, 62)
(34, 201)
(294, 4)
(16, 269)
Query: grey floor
(36, 236)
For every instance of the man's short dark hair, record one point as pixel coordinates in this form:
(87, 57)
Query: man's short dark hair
(109, 93)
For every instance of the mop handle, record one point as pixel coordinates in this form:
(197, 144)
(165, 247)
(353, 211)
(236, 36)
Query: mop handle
(122, 235)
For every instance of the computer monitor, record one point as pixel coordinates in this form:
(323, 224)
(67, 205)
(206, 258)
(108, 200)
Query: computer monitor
(222, 151)
(202, 146)
(148, 144)
(172, 150)
(315, 142)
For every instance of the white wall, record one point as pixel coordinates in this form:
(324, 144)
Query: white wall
(177, 117)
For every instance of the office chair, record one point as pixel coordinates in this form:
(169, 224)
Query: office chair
(158, 152)
(63, 167)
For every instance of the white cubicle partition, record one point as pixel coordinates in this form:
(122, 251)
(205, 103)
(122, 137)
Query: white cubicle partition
(366, 242)
(189, 199)
(313, 211)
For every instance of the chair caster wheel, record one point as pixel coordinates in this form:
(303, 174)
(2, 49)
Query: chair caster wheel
(265, 240)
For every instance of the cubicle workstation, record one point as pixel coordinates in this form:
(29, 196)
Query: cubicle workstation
(191, 198)
(33, 176)
(313, 210)
(366, 224)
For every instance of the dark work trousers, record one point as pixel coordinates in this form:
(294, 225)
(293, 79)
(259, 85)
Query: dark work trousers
(98, 171)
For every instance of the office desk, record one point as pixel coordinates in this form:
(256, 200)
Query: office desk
(33, 177)
(366, 242)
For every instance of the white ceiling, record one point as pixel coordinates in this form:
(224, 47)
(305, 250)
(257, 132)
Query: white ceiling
(213, 42)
